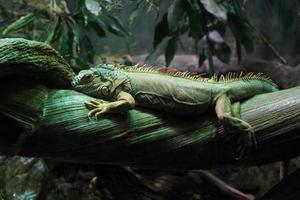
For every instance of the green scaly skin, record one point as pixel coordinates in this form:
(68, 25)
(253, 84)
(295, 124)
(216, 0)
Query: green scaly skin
(173, 92)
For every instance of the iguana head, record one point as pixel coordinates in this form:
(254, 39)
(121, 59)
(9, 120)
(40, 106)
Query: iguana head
(101, 81)
(90, 83)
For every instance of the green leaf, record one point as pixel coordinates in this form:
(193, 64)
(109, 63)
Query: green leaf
(96, 26)
(201, 57)
(158, 50)
(66, 41)
(93, 6)
(54, 8)
(20, 23)
(148, 5)
(219, 46)
(55, 33)
(196, 21)
(238, 51)
(175, 15)
(242, 32)
(223, 52)
(208, 55)
(239, 24)
(87, 49)
(76, 40)
(171, 50)
(105, 20)
(133, 16)
(118, 25)
(95, 23)
(161, 30)
(216, 9)
(75, 6)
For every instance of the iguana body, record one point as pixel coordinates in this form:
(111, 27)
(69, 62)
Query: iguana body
(174, 92)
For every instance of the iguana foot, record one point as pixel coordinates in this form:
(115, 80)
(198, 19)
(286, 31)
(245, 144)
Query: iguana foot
(247, 138)
(97, 108)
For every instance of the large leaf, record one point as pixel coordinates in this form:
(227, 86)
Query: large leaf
(113, 25)
(75, 6)
(98, 27)
(197, 22)
(95, 23)
(171, 50)
(20, 23)
(209, 55)
(201, 57)
(87, 49)
(242, 32)
(118, 25)
(66, 41)
(219, 46)
(133, 14)
(161, 30)
(239, 25)
(216, 9)
(54, 8)
(76, 40)
(55, 33)
(238, 51)
(175, 15)
(99, 18)
(223, 52)
(93, 6)
(158, 50)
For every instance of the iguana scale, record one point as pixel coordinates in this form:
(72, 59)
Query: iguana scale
(171, 91)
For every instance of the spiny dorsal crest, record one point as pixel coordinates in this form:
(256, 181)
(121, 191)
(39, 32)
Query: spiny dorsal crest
(223, 78)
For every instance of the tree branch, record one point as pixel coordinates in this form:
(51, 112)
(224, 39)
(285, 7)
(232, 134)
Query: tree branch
(54, 124)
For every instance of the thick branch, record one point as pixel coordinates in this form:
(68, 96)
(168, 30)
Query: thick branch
(54, 124)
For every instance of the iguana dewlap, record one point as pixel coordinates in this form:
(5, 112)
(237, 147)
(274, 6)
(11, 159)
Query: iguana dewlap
(170, 91)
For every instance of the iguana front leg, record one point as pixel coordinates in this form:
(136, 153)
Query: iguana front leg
(124, 102)
(225, 115)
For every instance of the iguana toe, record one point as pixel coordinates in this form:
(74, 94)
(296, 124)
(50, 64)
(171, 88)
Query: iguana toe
(247, 138)
(93, 103)
(245, 143)
(97, 108)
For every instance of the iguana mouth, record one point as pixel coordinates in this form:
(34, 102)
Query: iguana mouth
(75, 82)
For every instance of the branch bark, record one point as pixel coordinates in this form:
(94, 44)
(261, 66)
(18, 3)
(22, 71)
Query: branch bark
(51, 123)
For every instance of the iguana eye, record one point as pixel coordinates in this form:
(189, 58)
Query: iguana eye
(86, 78)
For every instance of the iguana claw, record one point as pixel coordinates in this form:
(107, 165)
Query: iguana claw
(97, 108)
(245, 143)
(247, 139)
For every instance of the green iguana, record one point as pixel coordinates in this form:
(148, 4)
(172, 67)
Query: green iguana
(175, 92)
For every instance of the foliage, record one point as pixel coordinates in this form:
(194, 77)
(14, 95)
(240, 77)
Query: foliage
(70, 24)
(205, 20)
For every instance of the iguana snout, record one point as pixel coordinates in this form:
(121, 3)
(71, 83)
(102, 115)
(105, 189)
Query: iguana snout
(84, 77)
(86, 82)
